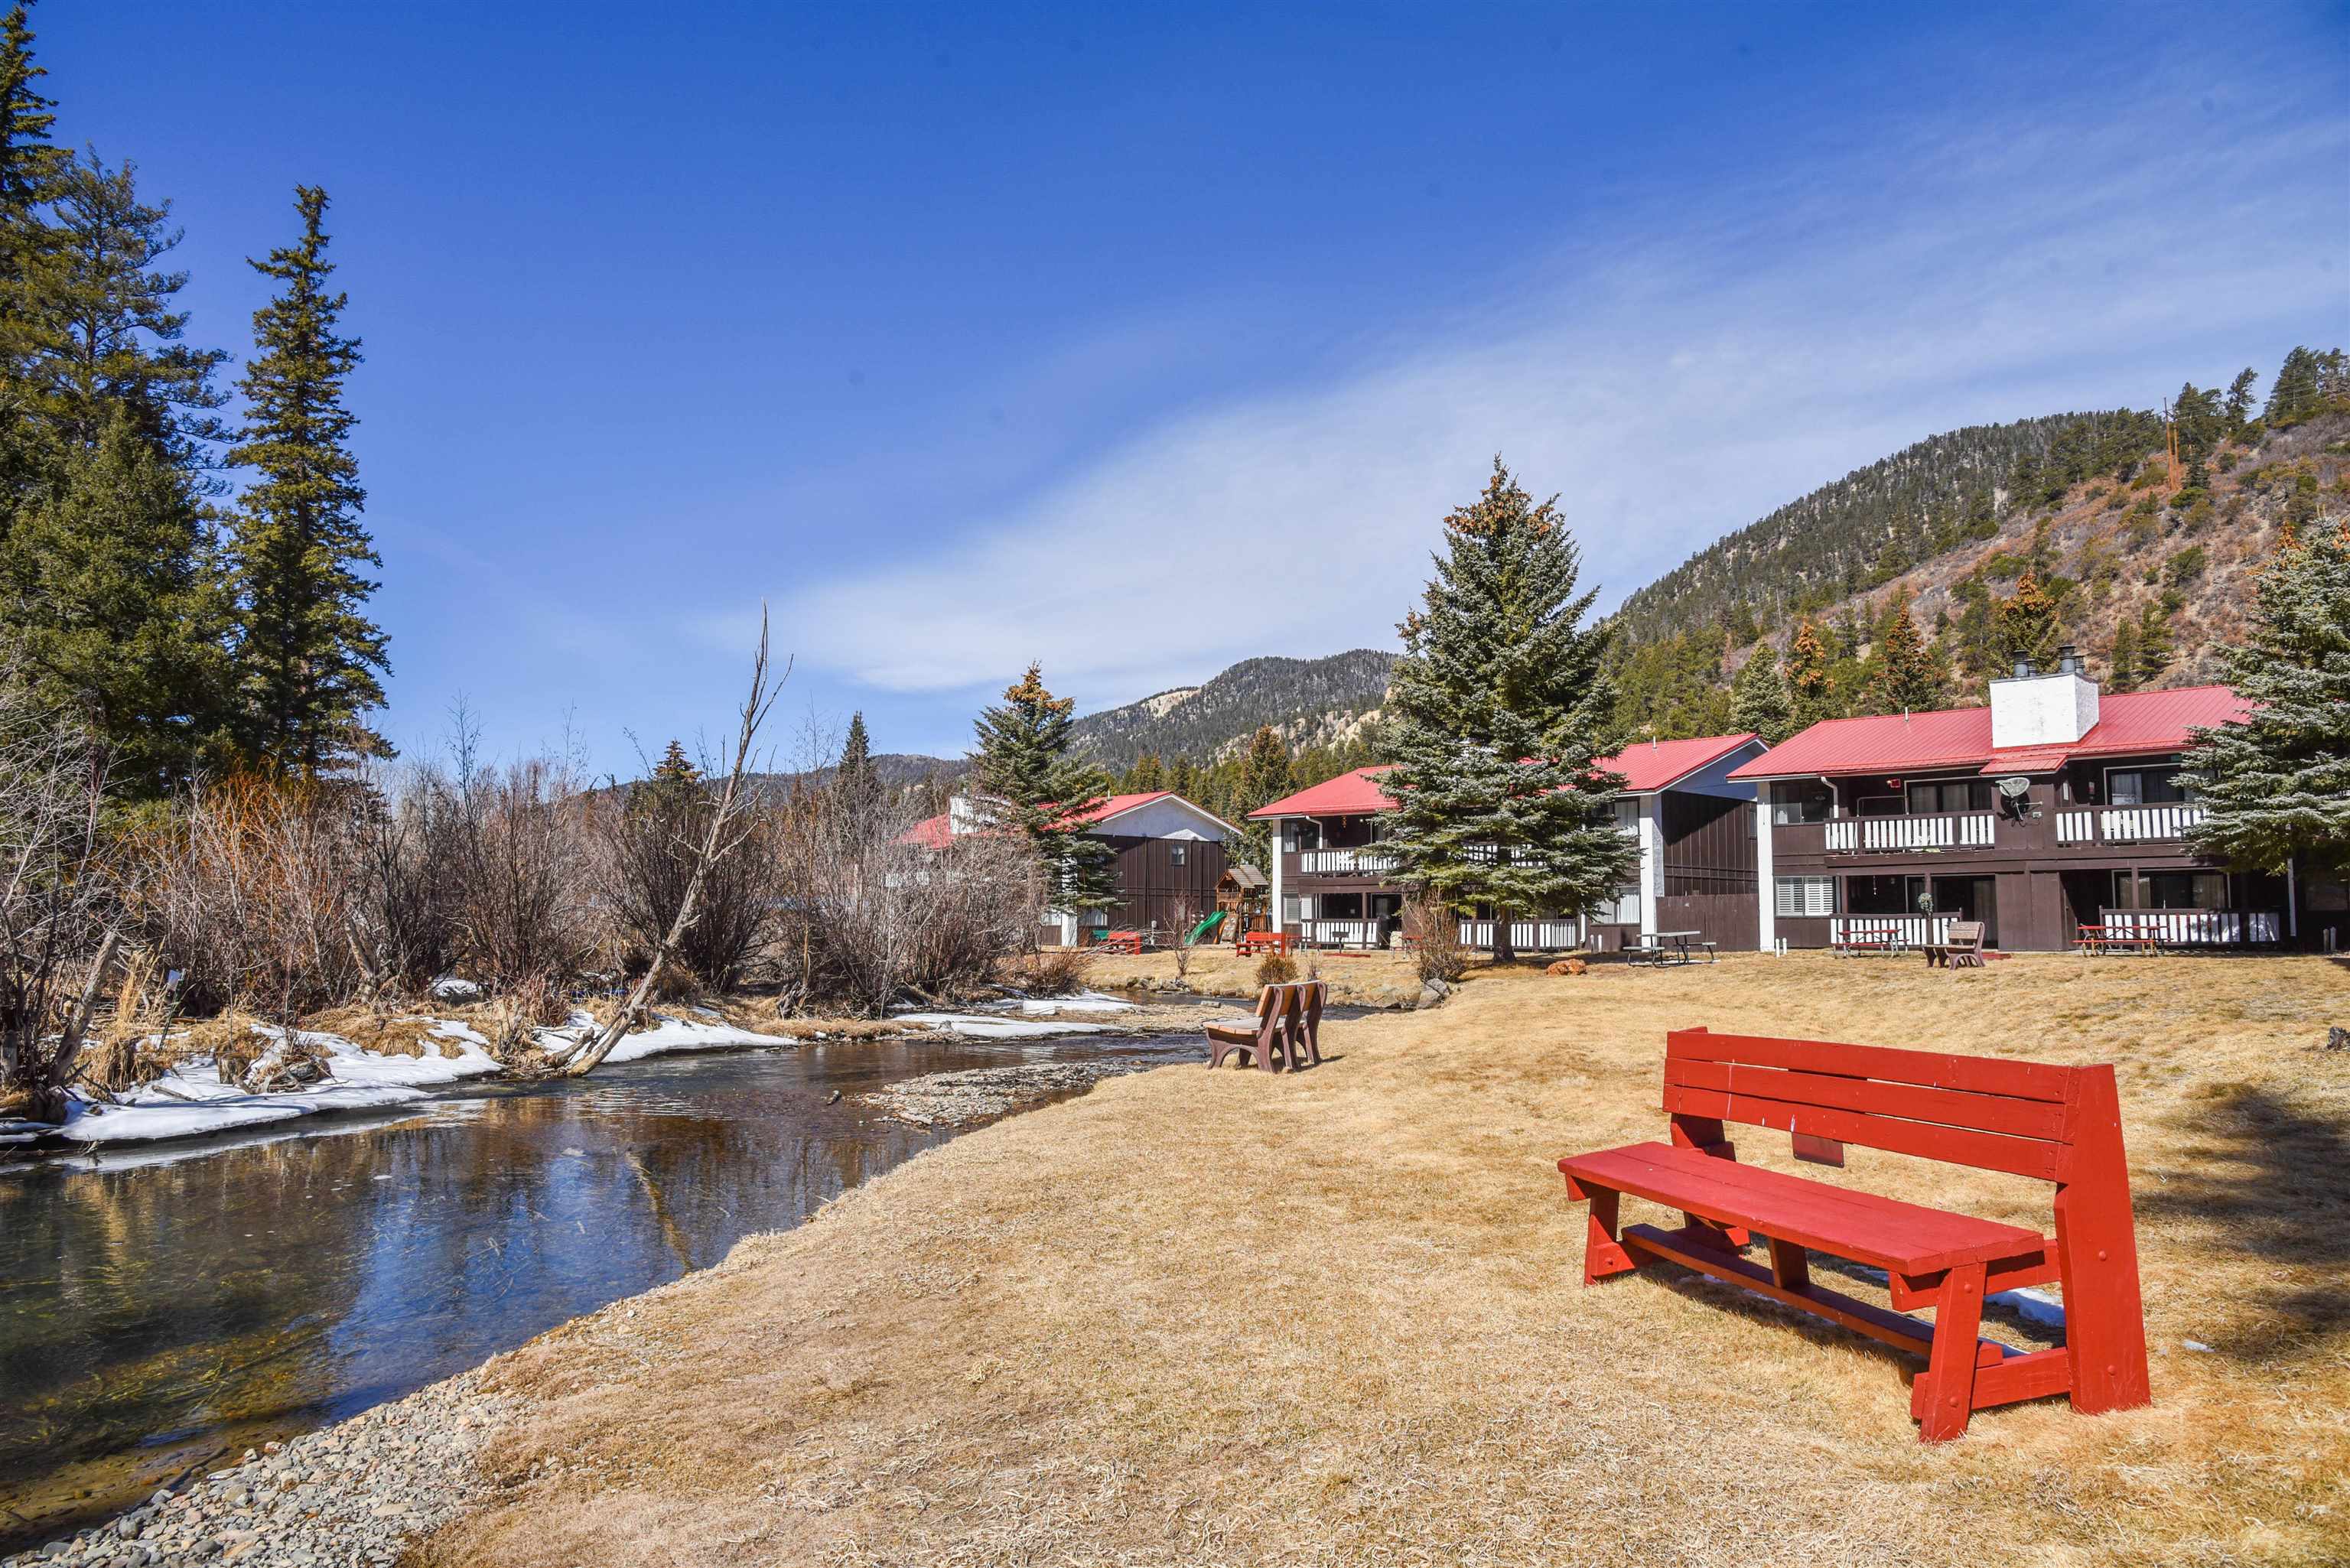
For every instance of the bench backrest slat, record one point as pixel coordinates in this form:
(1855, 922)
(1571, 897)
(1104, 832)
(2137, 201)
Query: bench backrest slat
(1968, 1110)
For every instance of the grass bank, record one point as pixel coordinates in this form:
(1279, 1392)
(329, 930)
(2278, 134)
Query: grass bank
(1335, 1318)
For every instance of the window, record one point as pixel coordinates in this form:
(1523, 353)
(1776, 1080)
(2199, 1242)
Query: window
(1928, 796)
(1877, 806)
(1800, 800)
(2171, 890)
(1340, 907)
(1175, 854)
(2147, 786)
(1802, 896)
(1628, 812)
(1300, 835)
(1623, 909)
(1300, 907)
(1882, 895)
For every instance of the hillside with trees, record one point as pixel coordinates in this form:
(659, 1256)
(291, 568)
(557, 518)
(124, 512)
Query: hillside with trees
(1307, 701)
(1911, 582)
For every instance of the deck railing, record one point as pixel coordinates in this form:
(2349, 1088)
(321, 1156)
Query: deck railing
(1526, 936)
(2125, 823)
(1343, 933)
(1916, 930)
(2196, 928)
(1945, 830)
(1343, 862)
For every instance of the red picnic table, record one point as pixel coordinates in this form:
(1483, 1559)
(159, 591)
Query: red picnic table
(1266, 942)
(2118, 939)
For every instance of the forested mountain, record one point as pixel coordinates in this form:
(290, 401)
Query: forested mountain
(1307, 701)
(1911, 582)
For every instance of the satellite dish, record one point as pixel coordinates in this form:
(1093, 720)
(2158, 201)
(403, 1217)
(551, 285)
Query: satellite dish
(2015, 793)
(2015, 788)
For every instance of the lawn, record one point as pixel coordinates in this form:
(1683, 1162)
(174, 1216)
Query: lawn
(1336, 1318)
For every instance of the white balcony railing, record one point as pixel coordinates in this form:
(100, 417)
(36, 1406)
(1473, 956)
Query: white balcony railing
(1343, 862)
(1916, 930)
(2146, 824)
(1948, 830)
(1526, 936)
(2195, 927)
(1343, 933)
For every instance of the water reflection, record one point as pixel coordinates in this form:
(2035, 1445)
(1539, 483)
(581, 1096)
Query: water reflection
(159, 1308)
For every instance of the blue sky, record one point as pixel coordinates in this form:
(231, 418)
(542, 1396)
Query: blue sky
(1144, 341)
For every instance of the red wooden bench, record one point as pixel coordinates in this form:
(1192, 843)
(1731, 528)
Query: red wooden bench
(1266, 942)
(2061, 1125)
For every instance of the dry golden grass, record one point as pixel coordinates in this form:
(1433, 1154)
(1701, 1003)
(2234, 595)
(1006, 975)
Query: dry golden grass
(1373, 978)
(1337, 1318)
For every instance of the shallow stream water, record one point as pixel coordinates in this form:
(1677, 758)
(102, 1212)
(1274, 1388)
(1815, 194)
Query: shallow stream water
(161, 1308)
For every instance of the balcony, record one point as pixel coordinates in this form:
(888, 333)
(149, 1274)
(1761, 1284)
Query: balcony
(1896, 835)
(2197, 927)
(2125, 823)
(1367, 862)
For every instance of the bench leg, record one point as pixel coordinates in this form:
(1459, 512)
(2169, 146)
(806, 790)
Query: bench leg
(2096, 1259)
(1791, 1266)
(1603, 1253)
(1950, 1367)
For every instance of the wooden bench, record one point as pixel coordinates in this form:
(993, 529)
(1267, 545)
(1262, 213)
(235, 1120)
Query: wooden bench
(1962, 948)
(1266, 942)
(2060, 1125)
(1287, 1032)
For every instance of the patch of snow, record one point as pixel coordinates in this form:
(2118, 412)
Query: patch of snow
(985, 1026)
(2031, 1304)
(191, 1101)
(1083, 1002)
(2199, 1345)
(672, 1035)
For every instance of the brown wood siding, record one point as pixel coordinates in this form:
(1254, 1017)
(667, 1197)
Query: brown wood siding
(1709, 848)
(1150, 882)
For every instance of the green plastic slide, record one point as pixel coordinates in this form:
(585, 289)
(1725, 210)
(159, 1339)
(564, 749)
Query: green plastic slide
(1200, 931)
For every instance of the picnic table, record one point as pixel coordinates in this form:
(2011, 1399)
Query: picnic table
(1661, 947)
(2118, 939)
(1266, 942)
(1854, 943)
(1119, 942)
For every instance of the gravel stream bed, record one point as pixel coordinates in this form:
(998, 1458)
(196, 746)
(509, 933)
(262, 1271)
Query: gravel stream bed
(350, 1496)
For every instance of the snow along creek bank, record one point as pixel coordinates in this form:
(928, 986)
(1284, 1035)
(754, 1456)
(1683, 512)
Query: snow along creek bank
(191, 1102)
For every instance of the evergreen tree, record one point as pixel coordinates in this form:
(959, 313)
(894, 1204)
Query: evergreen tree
(1811, 690)
(1908, 677)
(2238, 407)
(2276, 788)
(1758, 698)
(109, 336)
(309, 660)
(2155, 652)
(1265, 777)
(29, 167)
(855, 776)
(108, 588)
(2121, 662)
(2028, 625)
(1147, 775)
(675, 774)
(1029, 784)
(2295, 395)
(1498, 715)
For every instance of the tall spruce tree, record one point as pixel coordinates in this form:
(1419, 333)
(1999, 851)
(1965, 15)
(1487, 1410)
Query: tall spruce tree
(855, 777)
(1908, 677)
(2028, 625)
(108, 335)
(29, 167)
(2156, 650)
(109, 588)
(1758, 698)
(1497, 718)
(1030, 784)
(1147, 775)
(310, 660)
(2276, 784)
(2121, 662)
(1811, 679)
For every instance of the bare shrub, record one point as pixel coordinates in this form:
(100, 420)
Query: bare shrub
(1050, 972)
(524, 870)
(1435, 933)
(649, 838)
(1183, 916)
(1275, 969)
(870, 918)
(252, 890)
(58, 931)
(408, 842)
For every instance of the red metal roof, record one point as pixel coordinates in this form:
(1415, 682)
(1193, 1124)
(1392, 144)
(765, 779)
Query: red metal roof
(1117, 803)
(1644, 767)
(2127, 722)
(1349, 794)
(931, 833)
(1654, 766)
(934, 832)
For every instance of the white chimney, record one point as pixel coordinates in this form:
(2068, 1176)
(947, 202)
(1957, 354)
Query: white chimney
(2035, 710)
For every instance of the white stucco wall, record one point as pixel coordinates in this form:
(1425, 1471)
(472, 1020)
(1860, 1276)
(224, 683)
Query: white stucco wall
(1170, 818)
(1765, 880)
(2043, 709)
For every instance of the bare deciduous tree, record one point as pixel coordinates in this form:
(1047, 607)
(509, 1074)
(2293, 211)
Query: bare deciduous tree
(721, 834)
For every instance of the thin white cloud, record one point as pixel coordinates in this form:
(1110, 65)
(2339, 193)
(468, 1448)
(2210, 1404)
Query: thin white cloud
(1701, 370)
